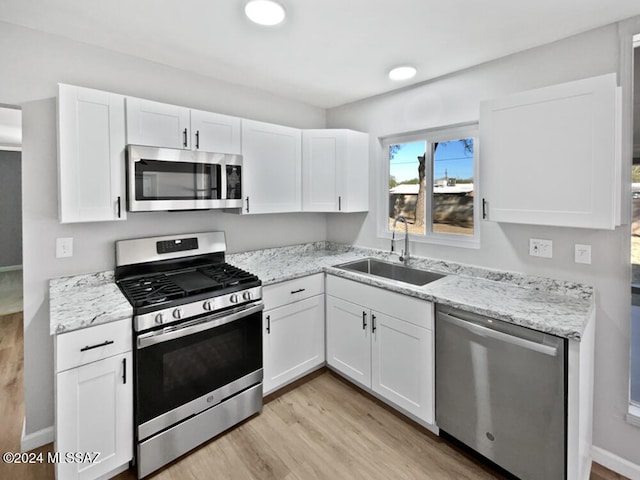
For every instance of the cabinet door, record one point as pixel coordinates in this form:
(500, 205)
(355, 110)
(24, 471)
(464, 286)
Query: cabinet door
(349, 339)
(402, 364)
(272, 162)
(157, 124)
(321, 150)
(549, 156)
(335, 171)
(91, 149)
(353, 173)
(94, 413)
(213, 132)
(293, 341)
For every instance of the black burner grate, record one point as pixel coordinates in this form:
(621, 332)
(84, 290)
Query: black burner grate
(162, 287)
(150, 290)
(227, 275)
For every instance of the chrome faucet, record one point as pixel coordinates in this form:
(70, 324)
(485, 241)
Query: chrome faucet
(404, 256)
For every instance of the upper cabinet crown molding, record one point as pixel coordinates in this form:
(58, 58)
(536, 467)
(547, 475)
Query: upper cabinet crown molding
(551, 156)
(91, 150)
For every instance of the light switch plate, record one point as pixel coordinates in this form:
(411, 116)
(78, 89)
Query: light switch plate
(540, 248)
(64, 247)
(582, 253)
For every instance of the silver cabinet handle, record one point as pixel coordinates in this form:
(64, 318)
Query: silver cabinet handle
(503, 337)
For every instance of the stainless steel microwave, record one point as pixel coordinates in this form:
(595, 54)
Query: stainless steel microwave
(161, 179)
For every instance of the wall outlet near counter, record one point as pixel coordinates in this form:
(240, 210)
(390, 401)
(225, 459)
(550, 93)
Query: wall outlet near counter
(582, 253)
(64, 247)
(540, 248)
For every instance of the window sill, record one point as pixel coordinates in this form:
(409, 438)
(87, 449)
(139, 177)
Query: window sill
(633, 415)
(448, 240)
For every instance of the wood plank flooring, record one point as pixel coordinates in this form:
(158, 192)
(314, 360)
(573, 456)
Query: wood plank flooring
(322, 429)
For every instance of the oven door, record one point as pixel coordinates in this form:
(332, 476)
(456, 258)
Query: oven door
(183, 370)
(160, 179)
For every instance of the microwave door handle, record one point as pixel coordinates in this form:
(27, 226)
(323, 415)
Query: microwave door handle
(223, 183)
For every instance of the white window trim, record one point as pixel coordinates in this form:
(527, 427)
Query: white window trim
(451, 132)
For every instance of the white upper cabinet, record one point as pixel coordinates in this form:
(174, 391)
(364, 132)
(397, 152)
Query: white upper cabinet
(214, 132)
(161, 125)
(335, 171)
(272, 162)
(551, 156)
(157, 124)
(91, 149)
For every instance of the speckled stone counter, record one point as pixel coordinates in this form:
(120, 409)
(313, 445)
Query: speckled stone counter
(552, 306)
(84, 301)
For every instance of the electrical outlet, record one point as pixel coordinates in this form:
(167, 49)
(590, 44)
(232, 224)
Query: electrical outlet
(582, 253)
(64, 247)
(540, 248)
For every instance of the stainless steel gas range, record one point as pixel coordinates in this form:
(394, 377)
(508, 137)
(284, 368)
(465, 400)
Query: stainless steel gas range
(197, 329)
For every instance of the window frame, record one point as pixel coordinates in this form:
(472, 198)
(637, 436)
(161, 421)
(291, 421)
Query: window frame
(430, 136)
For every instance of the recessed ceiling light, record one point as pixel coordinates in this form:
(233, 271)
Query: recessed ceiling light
(264, 12)
(402, 73)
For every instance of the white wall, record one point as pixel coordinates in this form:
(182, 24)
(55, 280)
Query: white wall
(454, 99)
(34, 63)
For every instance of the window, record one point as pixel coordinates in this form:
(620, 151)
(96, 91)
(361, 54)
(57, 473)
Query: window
(431, 180)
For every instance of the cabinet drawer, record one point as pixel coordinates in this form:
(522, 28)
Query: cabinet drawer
(90, 344)
(283, 293)
(411, 309)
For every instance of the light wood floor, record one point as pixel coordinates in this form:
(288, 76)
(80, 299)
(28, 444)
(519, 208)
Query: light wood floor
(322, 429)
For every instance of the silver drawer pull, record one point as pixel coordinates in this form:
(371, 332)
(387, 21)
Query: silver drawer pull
(298, 291)
(104, 344)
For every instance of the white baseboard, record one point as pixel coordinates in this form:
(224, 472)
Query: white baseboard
(35, 439)
(616, 463)
(10, 268)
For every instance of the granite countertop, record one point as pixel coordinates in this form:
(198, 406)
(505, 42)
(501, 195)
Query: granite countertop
(552, 306)
(85, 300)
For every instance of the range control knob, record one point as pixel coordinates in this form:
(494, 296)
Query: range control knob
(247, 296)
(178, 313)
(159, 318)
(207, 306)
(234, 298)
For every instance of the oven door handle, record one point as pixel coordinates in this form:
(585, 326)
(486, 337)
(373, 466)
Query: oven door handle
(153, 338)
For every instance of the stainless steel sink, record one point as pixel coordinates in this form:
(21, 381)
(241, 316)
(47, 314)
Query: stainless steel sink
(392, 271)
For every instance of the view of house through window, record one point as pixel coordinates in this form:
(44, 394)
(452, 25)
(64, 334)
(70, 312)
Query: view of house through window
(431, 185)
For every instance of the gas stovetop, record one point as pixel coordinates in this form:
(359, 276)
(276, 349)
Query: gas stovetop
(149, 290)
(179, 277)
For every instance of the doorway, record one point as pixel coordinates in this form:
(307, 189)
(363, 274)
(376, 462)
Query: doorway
(11, 210)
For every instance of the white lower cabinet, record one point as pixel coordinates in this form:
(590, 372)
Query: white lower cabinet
(293, 334)
(384, 342)
(94, 402)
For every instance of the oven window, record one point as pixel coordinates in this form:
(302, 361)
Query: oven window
(172, 373)
(158, 180)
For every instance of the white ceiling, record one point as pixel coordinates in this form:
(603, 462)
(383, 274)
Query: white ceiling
(328, 52)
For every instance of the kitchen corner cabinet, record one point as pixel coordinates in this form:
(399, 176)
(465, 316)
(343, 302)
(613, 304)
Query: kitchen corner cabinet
(335, 171)
(551, 156)
(162, 125)
(272, 159)
(383, 341)
(293, 333)
(91, 150)
(94, 400)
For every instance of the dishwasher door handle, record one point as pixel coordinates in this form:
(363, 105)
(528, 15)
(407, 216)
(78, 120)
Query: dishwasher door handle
(503, 337)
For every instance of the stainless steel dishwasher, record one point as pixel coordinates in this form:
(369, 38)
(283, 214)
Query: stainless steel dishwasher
(501, 390)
